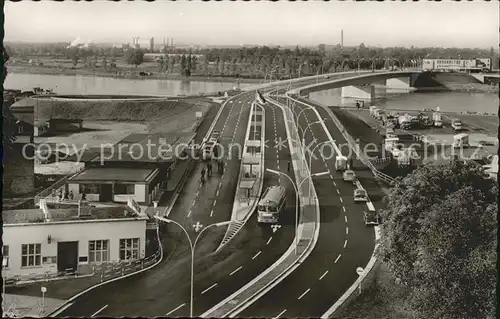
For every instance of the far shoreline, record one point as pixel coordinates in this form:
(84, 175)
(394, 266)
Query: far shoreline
(86, 72)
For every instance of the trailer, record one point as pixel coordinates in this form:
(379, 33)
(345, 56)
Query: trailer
(461, 140)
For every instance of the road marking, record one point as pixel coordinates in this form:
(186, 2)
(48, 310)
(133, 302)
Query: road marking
(331, 176)
(338, 192)
(338, 257)
(235, 270)
(346, 232)
(198, 193)
(217, 193)
(341, 200)
(305, 292)
(343, 207)
(345, 217)
(323, 275)
(334, 183)
(257, 254)
(345, 243)
(215, 201)
(204, 291)
(211, 213)
(175, 309)
(280, 314)
(189, 213)
(269, 240)
(95, 313)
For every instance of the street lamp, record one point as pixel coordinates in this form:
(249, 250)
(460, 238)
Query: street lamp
(308, 126)
(193, 246)
(44, 290)
(312, 153)
(296, 188)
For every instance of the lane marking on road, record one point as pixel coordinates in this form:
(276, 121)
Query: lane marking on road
(211, 213)
(257, 254)
(235, 270)
(280, 314)
(189, 213)
(338, 192)
(343, 208)
(95, 313)
(198, 193)
(345, 243)
(269, 240)
(331, 176)
(204, 291)
(305, 292)
(345, 217)
(338, 257)
(323, 275)
(172, 311)
(215, 201)
(217, 192)
(346, 232)
(341, 200)
(335, 184)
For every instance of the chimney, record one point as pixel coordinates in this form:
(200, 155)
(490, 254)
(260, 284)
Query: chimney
(45, 209)
(84, 209)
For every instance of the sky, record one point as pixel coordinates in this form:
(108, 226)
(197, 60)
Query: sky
(424, 23)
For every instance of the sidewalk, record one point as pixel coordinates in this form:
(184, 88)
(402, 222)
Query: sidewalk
(18, 306)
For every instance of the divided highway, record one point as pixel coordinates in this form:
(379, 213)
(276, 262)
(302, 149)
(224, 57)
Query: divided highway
(344, 242)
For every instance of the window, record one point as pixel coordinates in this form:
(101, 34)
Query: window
(124, 189)
(89, 188)
(5, 254)
(98, 251)
(31, 255)
(129, 248)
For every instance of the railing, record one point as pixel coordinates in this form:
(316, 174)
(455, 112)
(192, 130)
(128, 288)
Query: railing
(48, 191)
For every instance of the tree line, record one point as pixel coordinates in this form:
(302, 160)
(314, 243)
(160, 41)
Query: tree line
(255, 61)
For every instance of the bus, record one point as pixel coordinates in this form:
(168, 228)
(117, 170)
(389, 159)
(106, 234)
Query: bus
(271, 204)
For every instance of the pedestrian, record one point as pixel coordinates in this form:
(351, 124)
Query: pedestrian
(222, 167)
(60, 194)
(71, 195)
(209, 169)
(351, 162)
(203, 173)
(216, 152)
(289, 166)
(84, 196)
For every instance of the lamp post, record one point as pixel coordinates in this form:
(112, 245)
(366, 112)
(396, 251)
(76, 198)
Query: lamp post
(5, 263)
(307, 127)
(296, 188)
(311, 155)
(193, 246)
(44, 290)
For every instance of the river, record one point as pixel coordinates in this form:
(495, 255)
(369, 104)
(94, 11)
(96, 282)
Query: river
(446, 101)
(82, 84)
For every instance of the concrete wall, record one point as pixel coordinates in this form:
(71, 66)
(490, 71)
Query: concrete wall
(360, 92)
(140, 194)
(16, 235)
(19, 172)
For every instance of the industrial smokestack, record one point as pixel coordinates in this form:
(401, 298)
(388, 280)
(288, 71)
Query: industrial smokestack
(342, 38)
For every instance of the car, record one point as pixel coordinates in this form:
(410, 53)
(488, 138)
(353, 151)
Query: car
(371, 217)
(208, 150)
(215, 135)
(349, 175)
(360, 195)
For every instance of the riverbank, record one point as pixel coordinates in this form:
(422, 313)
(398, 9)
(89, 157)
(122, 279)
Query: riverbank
(124, 75)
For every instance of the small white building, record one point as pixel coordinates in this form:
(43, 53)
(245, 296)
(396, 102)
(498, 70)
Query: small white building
(53, 241)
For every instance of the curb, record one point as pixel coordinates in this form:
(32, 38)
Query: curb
(61, 307)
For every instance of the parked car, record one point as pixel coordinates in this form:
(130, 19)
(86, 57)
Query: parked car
(371, 217)
(360, 195)
(349, 175)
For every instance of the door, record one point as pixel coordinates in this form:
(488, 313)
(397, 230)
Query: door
(106, 194)
(67, 255)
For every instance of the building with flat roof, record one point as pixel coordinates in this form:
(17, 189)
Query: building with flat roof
(137, 167)
(57, 241)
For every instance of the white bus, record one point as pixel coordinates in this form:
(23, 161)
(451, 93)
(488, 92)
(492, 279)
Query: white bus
(271, 204)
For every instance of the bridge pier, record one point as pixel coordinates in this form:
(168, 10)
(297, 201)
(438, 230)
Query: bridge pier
(399, 84)
(363, 91)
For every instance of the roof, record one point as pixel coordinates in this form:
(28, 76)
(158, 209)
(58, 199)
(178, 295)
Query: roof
(22, 216)
(273, 194)
(247, 183)
(105, 174)
(152, 148)
(88, 154)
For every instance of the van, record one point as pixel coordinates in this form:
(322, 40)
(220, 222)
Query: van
(461, 140)
(340, 163)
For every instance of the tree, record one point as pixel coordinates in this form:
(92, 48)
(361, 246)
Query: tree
(8, 120)
(134, 56)
(439, 238)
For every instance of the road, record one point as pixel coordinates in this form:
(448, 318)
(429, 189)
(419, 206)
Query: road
(164, 290)
(216, 275)
(344, 242)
